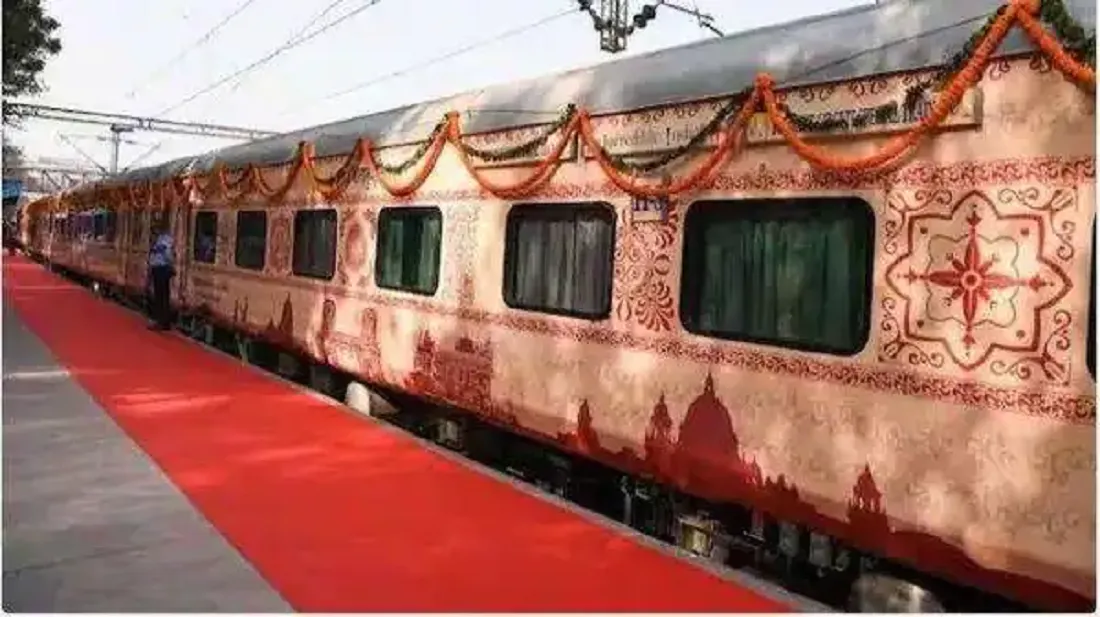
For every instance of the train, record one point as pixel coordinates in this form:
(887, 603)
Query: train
(814, 299)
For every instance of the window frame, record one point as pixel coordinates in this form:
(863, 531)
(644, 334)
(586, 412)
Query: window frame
(195, 237)
(99, 226)
(390, 212)
(237, 242)
(774, 208)
(1090, 322)
(110, 225)
(547, 210)
(294, 242)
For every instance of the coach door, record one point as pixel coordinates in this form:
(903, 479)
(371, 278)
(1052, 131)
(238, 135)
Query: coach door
(136, 231)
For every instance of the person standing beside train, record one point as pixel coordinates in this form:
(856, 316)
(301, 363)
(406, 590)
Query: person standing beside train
(161, 270)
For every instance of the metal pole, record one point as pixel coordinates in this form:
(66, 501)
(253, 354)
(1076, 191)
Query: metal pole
(116, 141)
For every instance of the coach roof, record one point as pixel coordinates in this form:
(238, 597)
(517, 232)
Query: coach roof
(891, 36)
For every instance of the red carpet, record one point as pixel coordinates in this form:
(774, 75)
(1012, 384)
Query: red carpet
(336, 513)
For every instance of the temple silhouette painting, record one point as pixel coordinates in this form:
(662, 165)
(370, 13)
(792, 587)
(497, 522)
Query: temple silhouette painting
(283, 333)
(705, 459)
(461, 375)
(357, 351)
(240, 311)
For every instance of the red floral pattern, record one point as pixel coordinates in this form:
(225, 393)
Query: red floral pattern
(972, 281)
(460, 245)
(280, 249)
(643, 272)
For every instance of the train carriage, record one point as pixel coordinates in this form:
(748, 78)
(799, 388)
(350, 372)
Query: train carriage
(842, 325)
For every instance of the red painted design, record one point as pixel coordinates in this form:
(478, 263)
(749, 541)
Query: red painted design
(707, 460)
(324, 333)
(369, 354)
(281, 242)
(894, 343)
(1040, 64)
(998, 68)
(643, 272)
(1052, 171)
(1047, 360)
(240, 311)
(358, 352)
(461, 376)
(224, 242)
(284, 330)
(1044, 403)
(1052, 203)
(352, 270)
(872, 87)
(460, 242)
(970, 293)
(818, 93)
(974, 279)
(659, 443)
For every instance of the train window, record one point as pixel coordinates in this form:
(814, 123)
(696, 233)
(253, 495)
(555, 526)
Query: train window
(251, 239)
(793, 273)
(409, 241)
(205, 243)
(558, 258)
(1090, 340)
(99, 225)
(110, 225)
(315, 243)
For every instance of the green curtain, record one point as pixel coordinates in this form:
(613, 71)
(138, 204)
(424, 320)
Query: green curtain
(251, 242)
(799, 279)
(409, 251)
(560, 261)
(315, 243)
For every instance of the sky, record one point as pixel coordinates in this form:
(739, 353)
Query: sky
(124, 56)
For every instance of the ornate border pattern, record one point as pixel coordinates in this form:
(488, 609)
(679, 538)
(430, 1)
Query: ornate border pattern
(991, 276)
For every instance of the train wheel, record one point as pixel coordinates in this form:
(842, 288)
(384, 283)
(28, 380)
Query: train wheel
(881, 593)
(366, 401)
(244, 349)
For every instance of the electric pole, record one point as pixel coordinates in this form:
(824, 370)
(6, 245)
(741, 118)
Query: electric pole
(116, 141)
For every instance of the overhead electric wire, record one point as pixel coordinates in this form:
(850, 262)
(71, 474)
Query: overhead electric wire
(190, 48)
(294, 41)
(298, 38)
(789, 79)
(436, 60)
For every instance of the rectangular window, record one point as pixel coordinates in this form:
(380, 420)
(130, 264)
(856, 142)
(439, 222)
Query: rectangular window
(559, 259)
(205, 246)
(1090, 336)
(99, 226)
(251, 239)
(409, 242)
(792, 273)
(315, 243)
(110, 225)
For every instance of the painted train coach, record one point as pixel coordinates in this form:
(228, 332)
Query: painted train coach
(835, 325)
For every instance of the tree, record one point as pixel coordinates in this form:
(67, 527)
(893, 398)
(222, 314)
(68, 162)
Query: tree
(13, 160)
(28, 43)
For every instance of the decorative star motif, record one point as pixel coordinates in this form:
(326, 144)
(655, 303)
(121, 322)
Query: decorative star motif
(978, 280)
(972, 278)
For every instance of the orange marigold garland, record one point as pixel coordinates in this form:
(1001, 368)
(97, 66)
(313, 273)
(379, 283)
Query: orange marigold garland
(1071, 55)
(543, 172)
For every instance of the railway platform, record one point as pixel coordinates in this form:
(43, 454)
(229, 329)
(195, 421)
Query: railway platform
(143, 472)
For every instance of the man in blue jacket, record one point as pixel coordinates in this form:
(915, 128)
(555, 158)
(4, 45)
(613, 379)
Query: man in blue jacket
(161, 270)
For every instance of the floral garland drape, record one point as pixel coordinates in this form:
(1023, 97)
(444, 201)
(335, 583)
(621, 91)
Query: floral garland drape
(1068, 48)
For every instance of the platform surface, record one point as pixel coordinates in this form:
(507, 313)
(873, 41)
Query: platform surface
(143, 472)
(90, 523)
